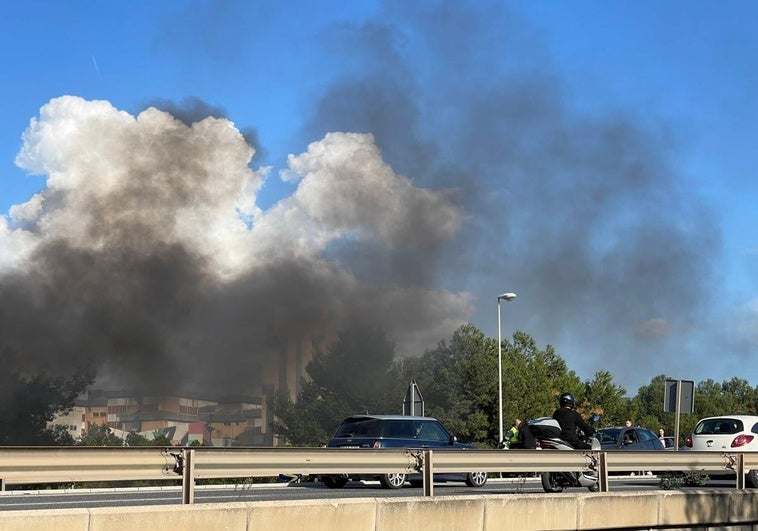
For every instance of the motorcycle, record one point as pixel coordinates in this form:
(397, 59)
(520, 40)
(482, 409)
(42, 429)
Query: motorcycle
(547, 432)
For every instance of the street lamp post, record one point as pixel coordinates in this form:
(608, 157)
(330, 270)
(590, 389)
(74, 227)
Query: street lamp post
(504, 297)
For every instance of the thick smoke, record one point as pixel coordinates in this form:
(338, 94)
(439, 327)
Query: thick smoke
(584, 215)
(193, 109)
(448, 166)
(146, 254)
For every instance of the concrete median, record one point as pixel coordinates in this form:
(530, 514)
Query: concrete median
(568, 511)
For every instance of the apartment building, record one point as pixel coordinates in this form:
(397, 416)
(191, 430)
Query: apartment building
(212, 420)
(218, 421)
(74, 421)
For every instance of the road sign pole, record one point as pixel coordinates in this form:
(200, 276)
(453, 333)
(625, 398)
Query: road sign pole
(678, 411)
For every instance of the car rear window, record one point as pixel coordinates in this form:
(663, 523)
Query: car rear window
(720, 426)
(359, 428)
(426, 430)
(431, 430)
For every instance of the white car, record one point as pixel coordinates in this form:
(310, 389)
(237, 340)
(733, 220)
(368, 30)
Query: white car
(728, 433)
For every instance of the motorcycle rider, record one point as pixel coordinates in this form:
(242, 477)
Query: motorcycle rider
(570, 420)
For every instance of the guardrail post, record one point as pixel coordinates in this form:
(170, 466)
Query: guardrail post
(740, 471)
(2, 485)
(603, 472)
(428, 472)
(188, 477)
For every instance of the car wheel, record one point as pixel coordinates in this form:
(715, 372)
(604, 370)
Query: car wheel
(751, 479)
(334, 482)
(549, 483)
(392, 481)
(476, 479)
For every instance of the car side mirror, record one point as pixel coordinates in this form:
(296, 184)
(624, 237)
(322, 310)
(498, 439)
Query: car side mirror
(453, 440)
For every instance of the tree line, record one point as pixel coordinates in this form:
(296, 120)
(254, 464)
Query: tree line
(359, 373)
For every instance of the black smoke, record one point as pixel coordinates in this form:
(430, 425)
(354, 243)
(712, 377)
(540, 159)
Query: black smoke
(509, 187)
(585, 215)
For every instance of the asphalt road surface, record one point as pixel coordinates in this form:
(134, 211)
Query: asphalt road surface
(91, 498)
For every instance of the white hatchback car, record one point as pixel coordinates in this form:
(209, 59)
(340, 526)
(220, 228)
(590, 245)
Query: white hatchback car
(728, 433)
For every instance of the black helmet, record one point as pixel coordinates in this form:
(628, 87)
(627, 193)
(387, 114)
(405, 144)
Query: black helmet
(567, 400)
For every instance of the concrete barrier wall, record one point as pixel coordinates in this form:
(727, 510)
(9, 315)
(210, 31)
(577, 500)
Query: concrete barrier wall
(736, 510)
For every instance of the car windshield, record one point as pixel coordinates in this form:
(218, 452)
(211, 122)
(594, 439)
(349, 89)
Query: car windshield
(608, 435)
(720, 426)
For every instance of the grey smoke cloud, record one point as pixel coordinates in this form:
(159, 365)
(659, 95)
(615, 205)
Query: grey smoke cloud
(586, 216)
(147, 257)
(445, 164)
(193, 109)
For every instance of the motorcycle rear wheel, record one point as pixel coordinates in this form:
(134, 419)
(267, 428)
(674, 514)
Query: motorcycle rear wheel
(550, 482)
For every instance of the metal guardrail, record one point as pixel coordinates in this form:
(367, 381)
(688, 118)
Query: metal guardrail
(79, 464)
(84, 464)
(239, 462)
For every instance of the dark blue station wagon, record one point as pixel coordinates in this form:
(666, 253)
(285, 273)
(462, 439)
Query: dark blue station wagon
(397, 431)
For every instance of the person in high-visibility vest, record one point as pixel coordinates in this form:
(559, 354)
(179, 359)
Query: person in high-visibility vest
(511, 436)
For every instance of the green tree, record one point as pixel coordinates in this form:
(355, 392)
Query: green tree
(711, 399)
(99, 435)
(744, 399)
(646, 408)
(459, 381)
(135, 439)
(605, 399)
(28, 402)
(738, 397)
(298, 423)
(534, 378)
(61, 436)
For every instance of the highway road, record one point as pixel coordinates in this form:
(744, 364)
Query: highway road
(170, 495)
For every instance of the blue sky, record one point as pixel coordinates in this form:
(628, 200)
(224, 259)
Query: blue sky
(597, 158)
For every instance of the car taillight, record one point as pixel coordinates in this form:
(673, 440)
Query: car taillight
(377, 445)
(688, 441)
(741, 440)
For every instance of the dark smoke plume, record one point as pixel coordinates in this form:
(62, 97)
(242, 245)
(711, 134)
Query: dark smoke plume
(444, 165)
(193, 109)
(585, 216)
(146, 256)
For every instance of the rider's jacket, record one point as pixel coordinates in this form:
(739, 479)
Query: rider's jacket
(570, 420)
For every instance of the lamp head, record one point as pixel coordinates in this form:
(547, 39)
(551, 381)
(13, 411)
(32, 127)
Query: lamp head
(506, 296)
